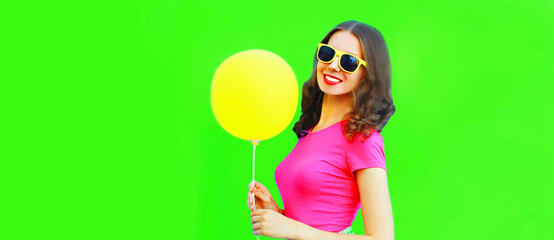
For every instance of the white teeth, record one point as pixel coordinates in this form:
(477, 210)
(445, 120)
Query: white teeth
(330, 79)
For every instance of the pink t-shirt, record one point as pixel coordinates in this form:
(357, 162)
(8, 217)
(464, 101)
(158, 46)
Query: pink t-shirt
(317, 182)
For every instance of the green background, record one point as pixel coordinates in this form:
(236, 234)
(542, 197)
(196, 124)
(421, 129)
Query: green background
(107, 130)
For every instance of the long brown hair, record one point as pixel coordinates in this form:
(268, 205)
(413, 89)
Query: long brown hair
(372, 98)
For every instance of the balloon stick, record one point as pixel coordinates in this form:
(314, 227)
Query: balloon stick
(254, 144)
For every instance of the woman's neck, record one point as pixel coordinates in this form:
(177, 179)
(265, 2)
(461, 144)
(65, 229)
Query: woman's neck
(334, 109)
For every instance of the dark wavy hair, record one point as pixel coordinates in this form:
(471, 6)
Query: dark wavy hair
(372, 99)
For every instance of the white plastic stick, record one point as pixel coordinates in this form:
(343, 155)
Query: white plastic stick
(254, 143)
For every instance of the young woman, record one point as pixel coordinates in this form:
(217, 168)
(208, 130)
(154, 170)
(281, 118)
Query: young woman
(338, 164)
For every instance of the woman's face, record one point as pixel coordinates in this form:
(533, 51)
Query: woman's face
(330, 77)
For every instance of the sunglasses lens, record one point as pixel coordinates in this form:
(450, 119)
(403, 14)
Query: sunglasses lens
(325, 54)
(349, 62)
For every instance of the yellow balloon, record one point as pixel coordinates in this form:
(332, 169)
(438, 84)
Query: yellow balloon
(254, 94)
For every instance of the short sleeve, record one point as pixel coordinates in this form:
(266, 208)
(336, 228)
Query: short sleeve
(367, 154)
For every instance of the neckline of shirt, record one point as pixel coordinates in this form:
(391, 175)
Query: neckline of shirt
(331, 126)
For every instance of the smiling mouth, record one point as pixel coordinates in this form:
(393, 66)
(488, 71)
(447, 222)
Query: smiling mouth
(331, 80)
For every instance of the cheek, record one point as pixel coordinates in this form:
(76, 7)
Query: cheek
(319, 67)
(319, 70)
(360, 75)
(356, 79)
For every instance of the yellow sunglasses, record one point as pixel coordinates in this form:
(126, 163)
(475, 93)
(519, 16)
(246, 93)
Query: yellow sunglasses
(347, 62)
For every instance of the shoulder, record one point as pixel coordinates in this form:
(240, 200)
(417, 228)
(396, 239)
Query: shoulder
(374, 140)
(372, 147)
(366, 154)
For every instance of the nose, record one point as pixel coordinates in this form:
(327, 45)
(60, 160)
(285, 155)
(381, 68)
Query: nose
(335, 64)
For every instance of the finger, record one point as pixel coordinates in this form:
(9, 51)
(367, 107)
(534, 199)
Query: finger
(255, 185)
(258, 212)
(251, 195)
(259, 185)
(252, 184)
(261, 195)
(256, 219)
(257, 226)
(255, 202)
(249, 200)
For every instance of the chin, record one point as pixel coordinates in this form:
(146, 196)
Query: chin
(336, 90)
(332, 91)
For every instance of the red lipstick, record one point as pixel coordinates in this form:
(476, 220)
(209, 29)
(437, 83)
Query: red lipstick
(331, 80)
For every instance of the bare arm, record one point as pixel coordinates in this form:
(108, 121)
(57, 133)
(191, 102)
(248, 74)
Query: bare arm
(376, 210)
(376, 205)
